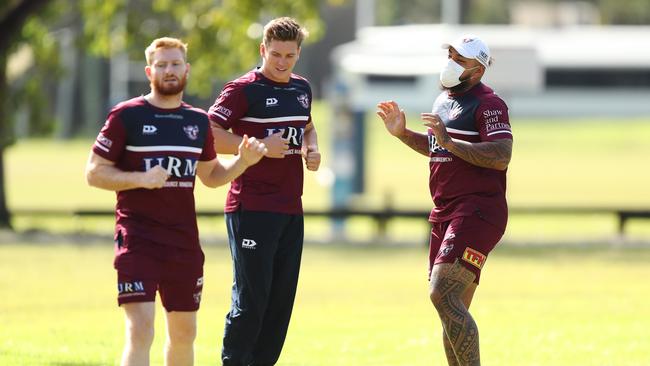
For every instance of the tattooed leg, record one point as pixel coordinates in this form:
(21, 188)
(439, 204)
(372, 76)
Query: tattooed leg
(449, 350)
(449, 285)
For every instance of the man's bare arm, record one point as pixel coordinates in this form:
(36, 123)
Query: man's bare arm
(416, 141)
(490, 154)
(102, 173)
(226, 142)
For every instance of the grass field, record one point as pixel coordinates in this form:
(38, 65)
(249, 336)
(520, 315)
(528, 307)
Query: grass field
(555, 163)
(363, 305)
(355, 306)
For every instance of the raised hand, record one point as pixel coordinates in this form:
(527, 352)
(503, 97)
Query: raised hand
(276, 145)
(154, 177)
(393, 117)
(438, 128)
(251, 150)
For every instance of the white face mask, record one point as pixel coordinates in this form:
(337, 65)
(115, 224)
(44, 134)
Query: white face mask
(450, 74)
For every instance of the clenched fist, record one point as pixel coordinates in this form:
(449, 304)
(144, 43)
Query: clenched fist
(312, 157)
(154, 177)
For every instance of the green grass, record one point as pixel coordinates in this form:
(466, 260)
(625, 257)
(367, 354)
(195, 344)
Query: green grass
(555, 163)
(355, 306)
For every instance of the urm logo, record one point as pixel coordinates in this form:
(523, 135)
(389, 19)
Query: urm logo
(293, 134)
(248, 244)
(135, 286)
(174, 166)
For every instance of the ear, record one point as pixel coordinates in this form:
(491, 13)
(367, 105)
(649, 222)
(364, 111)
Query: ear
(187, 69)
(147, 71)
(262, 49)
(482, 70)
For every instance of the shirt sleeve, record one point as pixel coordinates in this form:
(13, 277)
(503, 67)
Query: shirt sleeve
(492, 120)
(208, 153)
(230, 106)
(111, 140)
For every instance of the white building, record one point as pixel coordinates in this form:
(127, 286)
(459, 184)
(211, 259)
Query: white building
(577, 71)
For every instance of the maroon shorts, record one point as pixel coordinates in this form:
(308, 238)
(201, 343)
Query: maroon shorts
(144, 267)
(468, 239)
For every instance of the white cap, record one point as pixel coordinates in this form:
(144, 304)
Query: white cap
(470, 46)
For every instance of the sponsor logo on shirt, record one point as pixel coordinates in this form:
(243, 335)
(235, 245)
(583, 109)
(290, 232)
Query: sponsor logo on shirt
(176, 167)
(199, 281)
(149, 130)
(435, 148)
(271, 102)
(197, 297)
(169, 115)
(191, 131)
(293, 134)
(492, 116)
(474, 257)
(248, 244)
(304, 100)
(223, 110)
(104, 140)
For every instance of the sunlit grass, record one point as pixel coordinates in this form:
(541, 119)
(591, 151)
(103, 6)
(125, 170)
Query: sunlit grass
(355, 306)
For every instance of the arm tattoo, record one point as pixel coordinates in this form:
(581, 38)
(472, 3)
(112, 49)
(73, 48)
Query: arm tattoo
(416, 141)
(490, 154)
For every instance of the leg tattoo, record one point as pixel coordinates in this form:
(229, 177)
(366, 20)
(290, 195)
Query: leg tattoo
(448, 282)
(452, 360)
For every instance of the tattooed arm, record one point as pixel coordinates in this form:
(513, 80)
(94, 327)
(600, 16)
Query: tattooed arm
(395, 122)
(416, 141)
(489, 154)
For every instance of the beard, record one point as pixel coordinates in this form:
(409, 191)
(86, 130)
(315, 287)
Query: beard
(165, 89)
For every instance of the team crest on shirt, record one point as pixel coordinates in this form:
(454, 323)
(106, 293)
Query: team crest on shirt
(192, 131)
(304, 100)
(455, 112)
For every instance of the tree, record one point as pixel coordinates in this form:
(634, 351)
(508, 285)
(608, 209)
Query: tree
(223, 37)
(14, 15)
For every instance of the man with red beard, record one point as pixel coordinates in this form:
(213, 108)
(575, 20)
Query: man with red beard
(149, 152)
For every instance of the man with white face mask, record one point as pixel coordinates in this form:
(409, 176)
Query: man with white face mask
(469, 145)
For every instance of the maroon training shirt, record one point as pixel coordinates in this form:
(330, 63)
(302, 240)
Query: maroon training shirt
(138, 136)
(257, 106)
(457, 187)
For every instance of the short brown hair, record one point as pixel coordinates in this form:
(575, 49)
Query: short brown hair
(165, 42)
(284, 29)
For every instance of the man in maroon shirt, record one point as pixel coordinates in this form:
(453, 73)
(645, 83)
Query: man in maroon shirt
(469, 144)
(149, 152)
(264, 205)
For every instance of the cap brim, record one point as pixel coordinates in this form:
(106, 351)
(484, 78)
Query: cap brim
(459, 48)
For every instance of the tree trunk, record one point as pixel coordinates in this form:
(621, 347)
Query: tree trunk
(5, 217)
(11, 23)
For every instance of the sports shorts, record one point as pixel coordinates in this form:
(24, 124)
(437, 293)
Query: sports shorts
(468, 239)
(144, 267)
